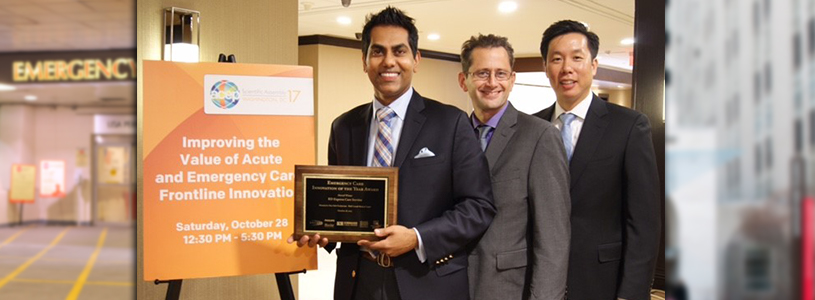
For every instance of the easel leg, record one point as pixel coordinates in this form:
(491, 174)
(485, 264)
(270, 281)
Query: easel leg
(174, 290)
(284, 286)
(20, 218)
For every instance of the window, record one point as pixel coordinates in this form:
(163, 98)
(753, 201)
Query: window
(768, 78)
(812, 127)
(796, 51)
(811, 36)
(769, 152)
(737, 175)
(799, 136)
(710, 76)
(756, 18)
(757, 269)
(767, 9)
(736, 108)
(735, 42)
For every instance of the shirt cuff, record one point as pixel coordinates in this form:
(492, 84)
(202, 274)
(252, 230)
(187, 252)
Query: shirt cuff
(420, 249)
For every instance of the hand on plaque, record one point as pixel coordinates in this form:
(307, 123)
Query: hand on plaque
(397, 240)
(311, 241)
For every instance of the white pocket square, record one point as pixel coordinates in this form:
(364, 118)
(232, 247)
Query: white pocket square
(425, 153)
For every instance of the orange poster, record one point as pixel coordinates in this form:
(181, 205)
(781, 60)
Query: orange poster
(219, 145)
(22, 183)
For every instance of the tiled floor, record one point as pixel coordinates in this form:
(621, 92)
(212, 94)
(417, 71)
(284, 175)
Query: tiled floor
(67, 262)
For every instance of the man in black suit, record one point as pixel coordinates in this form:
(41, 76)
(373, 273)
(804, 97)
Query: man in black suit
(445, 198)
(614, 178)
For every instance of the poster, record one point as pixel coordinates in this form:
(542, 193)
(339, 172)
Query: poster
(81, 157)
(22, 183)
(220, 142)
(52, 178)
(112, 165)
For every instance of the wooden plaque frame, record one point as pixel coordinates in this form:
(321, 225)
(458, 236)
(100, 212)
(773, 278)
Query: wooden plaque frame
(344, 173)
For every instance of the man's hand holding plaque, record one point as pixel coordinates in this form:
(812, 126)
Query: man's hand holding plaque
(397, 240)
(311, 241)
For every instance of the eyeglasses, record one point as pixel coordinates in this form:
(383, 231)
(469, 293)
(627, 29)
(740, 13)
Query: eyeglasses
(500, 75)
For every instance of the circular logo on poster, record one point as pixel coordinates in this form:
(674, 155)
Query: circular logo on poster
(225, 94)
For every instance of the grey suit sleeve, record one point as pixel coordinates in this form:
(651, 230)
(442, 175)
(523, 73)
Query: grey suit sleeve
(641, 213)
(550, 205)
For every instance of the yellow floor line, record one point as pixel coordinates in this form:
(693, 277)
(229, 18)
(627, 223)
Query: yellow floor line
(80, 282)
(118, 283)
(13, 237)
(105, 262)
(43, 281)
(30, 261)
(114, 283)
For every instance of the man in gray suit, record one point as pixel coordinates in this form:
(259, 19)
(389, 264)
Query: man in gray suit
(525, 252)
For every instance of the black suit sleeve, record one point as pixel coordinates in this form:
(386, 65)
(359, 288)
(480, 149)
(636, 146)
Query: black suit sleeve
(640, 212)
(473, 210)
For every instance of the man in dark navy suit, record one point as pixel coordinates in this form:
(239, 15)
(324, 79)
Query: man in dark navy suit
(445, 198)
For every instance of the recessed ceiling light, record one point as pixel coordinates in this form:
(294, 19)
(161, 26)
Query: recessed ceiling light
(507, 6)
(7, 87)
(627, 41)
(620, 86)
(344, 20)
(30, 98)
(433, 36)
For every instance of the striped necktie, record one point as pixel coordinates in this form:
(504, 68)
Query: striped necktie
(383, 148)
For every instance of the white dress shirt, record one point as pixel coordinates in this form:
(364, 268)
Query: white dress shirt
(399, 106)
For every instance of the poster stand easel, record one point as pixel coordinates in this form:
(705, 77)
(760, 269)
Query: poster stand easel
(20, 219)
(27, 178)
(283, 280)
(284, 287)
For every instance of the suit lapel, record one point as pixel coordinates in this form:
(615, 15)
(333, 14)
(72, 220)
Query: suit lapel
(359, 136)
(593, 129)
(503, 133)
(546, 114)
(414, 120)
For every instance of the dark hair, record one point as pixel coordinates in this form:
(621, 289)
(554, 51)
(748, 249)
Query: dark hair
(568, 26)
(390, 16)
(484, 41)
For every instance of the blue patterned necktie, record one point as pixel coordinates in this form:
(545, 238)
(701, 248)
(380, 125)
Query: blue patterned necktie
(566, 133)
(383, 148)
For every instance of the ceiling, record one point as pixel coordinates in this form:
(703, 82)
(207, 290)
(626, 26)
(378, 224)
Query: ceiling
(456, 20)
(47, 25)
(69, 25)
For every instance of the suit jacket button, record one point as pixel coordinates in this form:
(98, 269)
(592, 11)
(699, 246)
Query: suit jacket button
(353, 273)
(451, 256)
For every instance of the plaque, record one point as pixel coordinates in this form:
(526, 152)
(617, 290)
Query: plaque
(344, 203)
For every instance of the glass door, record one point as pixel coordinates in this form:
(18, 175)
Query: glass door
(114, 178)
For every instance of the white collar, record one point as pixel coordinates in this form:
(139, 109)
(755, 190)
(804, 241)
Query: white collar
(399, 106)
(581, 110)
